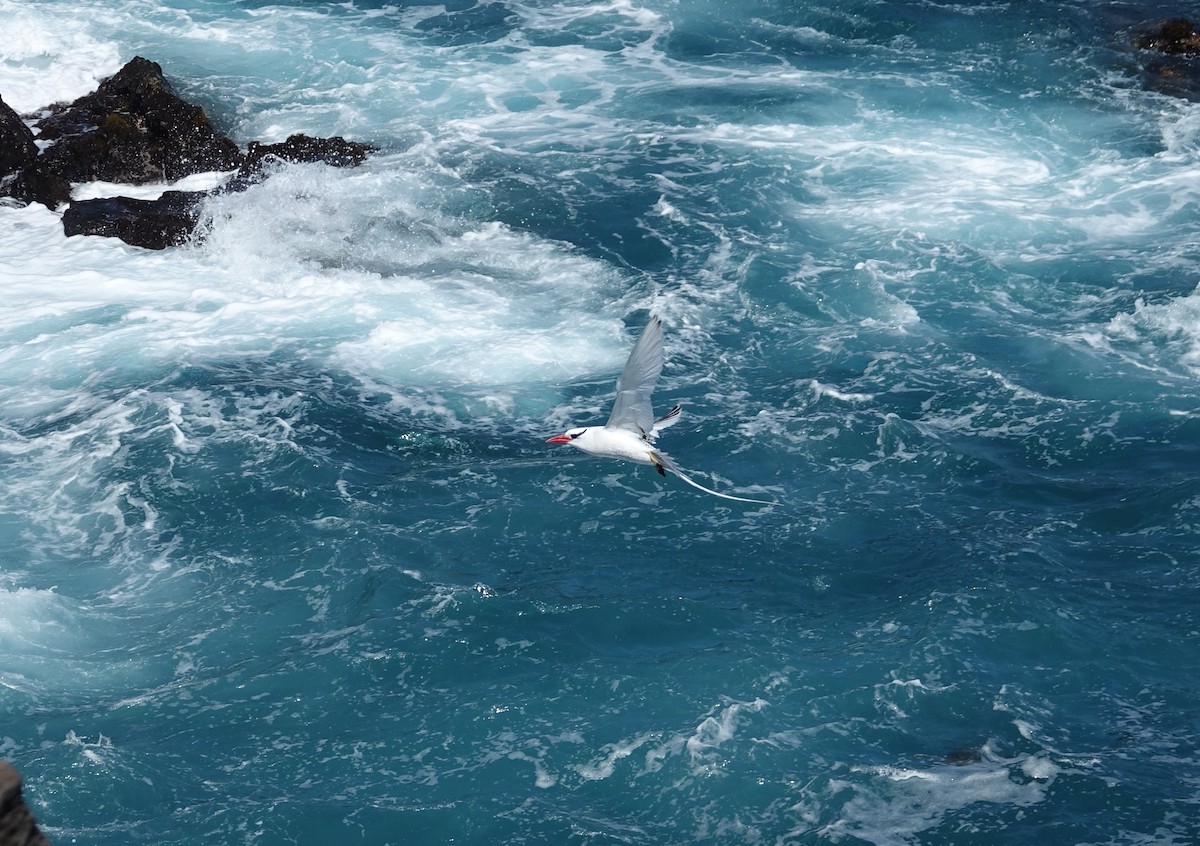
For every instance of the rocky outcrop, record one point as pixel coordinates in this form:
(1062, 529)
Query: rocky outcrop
(1168, 52)
(335, 151)
(171, 220)
(154, 224)
(17, 150)
(17, 825)
(298, 149)
(135, 130)
(1177, 37)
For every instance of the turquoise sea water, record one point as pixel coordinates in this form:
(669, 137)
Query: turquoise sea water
(284, 557)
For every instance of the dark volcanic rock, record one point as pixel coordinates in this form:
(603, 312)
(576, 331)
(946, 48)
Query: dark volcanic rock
(1171, 48)
(1177, 37)
(170, 220)
(155, 224)
(336, 151)
(17, 149)
(33, 185)
(133, 129)
(17, 825)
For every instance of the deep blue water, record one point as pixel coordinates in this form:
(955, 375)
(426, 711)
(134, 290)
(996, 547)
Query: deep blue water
(284, 557)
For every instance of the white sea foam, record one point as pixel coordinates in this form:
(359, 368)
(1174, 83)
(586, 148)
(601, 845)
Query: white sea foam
(613, 754)
(28, 616)
(717, 729)
(895, 804)
(395, 298)
(149, 191)
(49, 56)
(822, 390)
(700, 748)
(1165, 334)
(359, 269)
(412, 295)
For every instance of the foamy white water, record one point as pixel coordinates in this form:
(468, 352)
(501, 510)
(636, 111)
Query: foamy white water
(284, 556)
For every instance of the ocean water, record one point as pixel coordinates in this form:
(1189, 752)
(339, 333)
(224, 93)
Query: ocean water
(284, 557)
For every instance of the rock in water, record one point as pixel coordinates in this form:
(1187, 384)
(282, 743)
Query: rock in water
(17, 825)
(170, 220)
(1169, 52)
(298, 149)
(154, 224)
(1177, 37)
(336, 152)
(17, 149)
(133, 129)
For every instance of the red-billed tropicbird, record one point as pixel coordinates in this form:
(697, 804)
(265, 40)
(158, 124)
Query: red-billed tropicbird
(631, 429)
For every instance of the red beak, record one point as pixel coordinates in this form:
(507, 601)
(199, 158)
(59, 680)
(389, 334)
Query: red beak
(558, 439)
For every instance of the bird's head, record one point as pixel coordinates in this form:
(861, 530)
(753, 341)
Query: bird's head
(566, 437)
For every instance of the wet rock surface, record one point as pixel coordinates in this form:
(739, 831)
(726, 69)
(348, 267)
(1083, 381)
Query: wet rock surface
(1171, 56)
(17, 824)
(135, 130)
(157, 224)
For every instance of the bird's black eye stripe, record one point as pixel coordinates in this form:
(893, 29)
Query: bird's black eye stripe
(574, 435)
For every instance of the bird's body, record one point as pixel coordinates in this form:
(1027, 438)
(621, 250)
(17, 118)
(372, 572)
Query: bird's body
(631, 429)
(613, 443)
(623, 443)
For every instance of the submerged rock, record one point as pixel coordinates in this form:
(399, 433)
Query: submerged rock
(1171, 48)
(964, 757)
(1177, 37)
(17, 824)
(134, 130)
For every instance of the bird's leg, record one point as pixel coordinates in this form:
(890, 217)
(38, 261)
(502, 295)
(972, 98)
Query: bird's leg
(657, 464)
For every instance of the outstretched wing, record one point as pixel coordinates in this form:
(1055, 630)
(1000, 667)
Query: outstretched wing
(668, 419)
(631, 409)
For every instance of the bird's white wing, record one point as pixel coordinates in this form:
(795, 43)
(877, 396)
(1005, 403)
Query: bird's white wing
(631, 409)
(668, 419)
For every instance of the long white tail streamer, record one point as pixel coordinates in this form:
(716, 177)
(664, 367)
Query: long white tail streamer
(670, 464)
